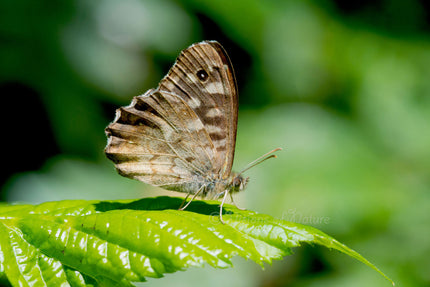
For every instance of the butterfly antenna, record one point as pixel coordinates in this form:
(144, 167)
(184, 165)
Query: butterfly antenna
(260, 160)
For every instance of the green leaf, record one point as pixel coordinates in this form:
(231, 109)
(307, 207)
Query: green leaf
(115, 243)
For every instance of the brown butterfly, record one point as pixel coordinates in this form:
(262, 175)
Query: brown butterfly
(181, 136)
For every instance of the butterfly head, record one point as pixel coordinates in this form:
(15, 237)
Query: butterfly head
(238, 183)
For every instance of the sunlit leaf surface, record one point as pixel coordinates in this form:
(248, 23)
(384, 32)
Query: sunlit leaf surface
(115, 243)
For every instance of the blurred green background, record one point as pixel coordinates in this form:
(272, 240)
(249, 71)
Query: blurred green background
(342, 86)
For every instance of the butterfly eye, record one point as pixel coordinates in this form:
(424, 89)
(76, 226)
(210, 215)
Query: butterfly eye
(202, 75)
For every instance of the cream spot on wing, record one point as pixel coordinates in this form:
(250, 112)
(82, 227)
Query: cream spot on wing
(194, 103)
(214, 87)
(219, 143)
(214, 129)
(212, 113)
(191, 126)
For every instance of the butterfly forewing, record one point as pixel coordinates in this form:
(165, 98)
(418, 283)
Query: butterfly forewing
(214, 98)
(180, 136)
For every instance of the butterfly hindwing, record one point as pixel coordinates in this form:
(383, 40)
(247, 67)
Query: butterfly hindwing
(160, 140)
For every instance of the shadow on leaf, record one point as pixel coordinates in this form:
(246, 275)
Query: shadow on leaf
(162, 203)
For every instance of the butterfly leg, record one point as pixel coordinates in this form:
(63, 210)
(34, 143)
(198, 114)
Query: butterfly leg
(220, 207)
(183, 202)
(194, 196)
(231, 197)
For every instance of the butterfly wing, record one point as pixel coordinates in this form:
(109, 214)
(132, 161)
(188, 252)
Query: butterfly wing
(160, 140)
(203, 77)
(181, 135)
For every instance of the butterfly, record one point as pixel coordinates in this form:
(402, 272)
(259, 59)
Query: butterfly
(181, 136)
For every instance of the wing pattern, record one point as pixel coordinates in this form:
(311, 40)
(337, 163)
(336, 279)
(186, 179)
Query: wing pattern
(181, 135)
